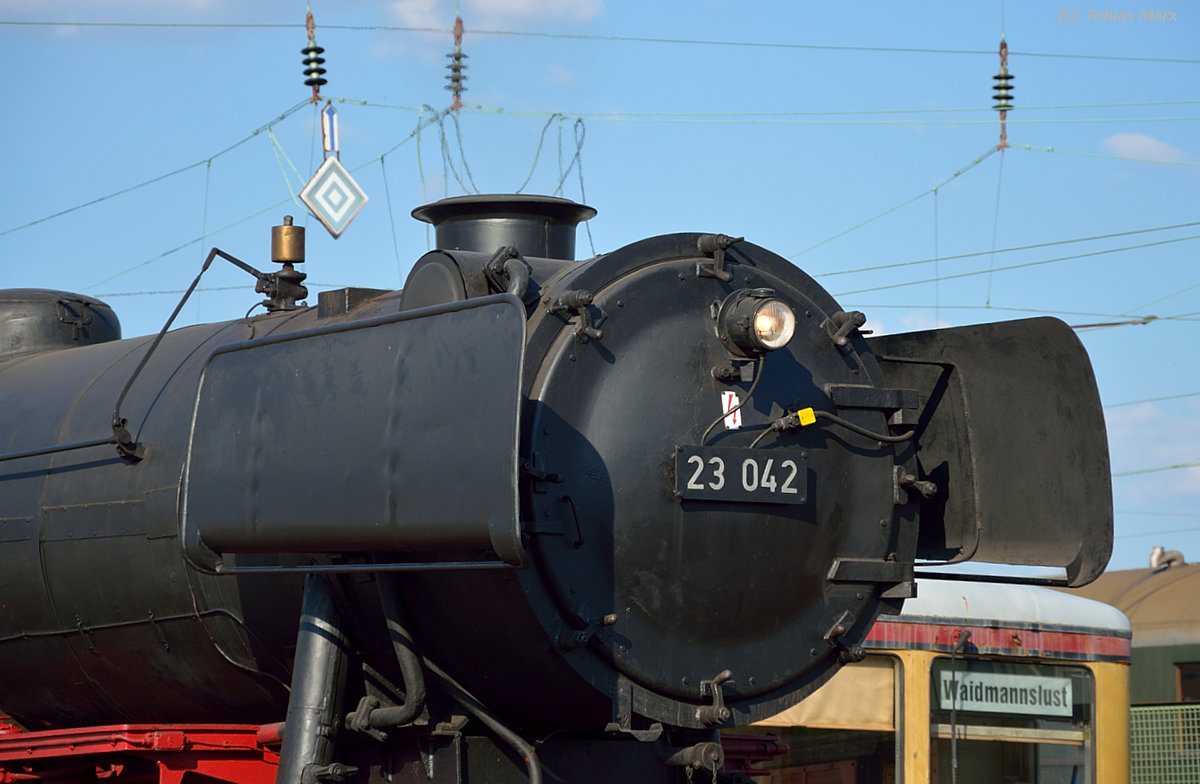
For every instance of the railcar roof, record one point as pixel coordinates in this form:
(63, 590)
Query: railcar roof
(1164, 605)
(1021, 606)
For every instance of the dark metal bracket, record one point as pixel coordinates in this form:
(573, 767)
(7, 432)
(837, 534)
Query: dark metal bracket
(75, 313)
(841, 324)
(896, 576)
(717, 713)
(714, 246)
(623, 715)
(836, 639)
(578, 301)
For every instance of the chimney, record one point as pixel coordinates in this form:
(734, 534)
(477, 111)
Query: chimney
(540, 226)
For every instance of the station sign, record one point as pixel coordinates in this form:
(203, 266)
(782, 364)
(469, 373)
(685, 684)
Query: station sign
(993, 692)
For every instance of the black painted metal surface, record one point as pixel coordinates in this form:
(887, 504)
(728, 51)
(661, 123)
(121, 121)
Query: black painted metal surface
(541, 226)
(101, 619)
(385, 407)
(364, 434)
(645, 597)
(1013, 434)
(41, 320)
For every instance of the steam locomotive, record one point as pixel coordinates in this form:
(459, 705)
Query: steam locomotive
(526, 518)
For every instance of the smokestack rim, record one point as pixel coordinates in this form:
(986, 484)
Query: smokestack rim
(501, 205)
(538, 226)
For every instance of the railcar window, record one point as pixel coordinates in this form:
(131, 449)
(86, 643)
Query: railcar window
(844, 733)
(1188, 675)
(1011, 722)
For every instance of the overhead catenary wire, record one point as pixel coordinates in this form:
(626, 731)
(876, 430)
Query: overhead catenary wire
(741, 117)
(603, 38)
(1163, 298)
(1157, 469)
(1139, 320)
(387, 191)
(857, 117)
(958, 172)
(1144, 534)
(754, 113)
(1022, 265)
(203, 162)
(437, 117)
(1153, 400)
(245, 219)
(1091, 238)
(1031, 246)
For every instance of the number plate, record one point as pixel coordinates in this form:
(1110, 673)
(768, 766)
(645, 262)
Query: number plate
(713, 473)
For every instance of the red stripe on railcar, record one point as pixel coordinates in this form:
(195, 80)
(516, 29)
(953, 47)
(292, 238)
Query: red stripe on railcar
(1000, 641)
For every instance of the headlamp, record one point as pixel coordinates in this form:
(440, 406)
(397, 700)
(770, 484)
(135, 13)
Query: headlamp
(752, 322)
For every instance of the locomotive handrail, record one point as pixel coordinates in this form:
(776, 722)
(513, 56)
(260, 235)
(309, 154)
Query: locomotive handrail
(126, 446)
(50, 450)
(411, 566)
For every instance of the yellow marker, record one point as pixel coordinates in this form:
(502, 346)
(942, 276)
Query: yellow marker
(807, 416)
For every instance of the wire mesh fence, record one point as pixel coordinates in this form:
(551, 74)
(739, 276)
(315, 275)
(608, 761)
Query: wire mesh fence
(1165, 744)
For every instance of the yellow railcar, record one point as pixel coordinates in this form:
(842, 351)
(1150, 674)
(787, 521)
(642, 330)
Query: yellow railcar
(973, 682)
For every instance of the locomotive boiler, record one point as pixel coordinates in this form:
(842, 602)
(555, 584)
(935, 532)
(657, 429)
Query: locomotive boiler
(527, 515)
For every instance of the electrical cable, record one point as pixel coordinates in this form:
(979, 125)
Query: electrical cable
(1022, 265)
(963, 170)
(387, 191)
(742, 115)
(1143, 534)
(1156, 469)
(607, 38)
(793, 421)
(462, 155)
(973, 254)
(580, 132)
(161, 177)
(995, 227)
(1183, 290)
(1152, 400)
(758, 374)
(937, 265)
(281, 156)
(537, 153)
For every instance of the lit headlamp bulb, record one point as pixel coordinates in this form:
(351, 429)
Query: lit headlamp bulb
(774, 324)
(752, 322)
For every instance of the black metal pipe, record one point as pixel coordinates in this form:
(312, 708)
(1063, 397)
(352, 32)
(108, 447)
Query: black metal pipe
(318, 680)
(518, 275)
(708, 755)
(406, 655)
(522, 747)
(51, 450)
(964, 577)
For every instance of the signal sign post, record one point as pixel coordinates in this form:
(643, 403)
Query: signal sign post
(333, 196)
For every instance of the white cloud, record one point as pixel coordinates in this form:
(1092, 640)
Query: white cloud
(1139, 145)
(1146, 436)
(421, 13)
(500, 11)
(112, 10)
(557, 74)
(922, 320)
(492, 13)
(874, 327)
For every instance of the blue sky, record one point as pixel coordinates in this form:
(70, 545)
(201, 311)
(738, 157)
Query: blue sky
(788, 123)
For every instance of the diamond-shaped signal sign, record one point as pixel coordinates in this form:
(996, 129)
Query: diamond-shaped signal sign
(333, 196)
